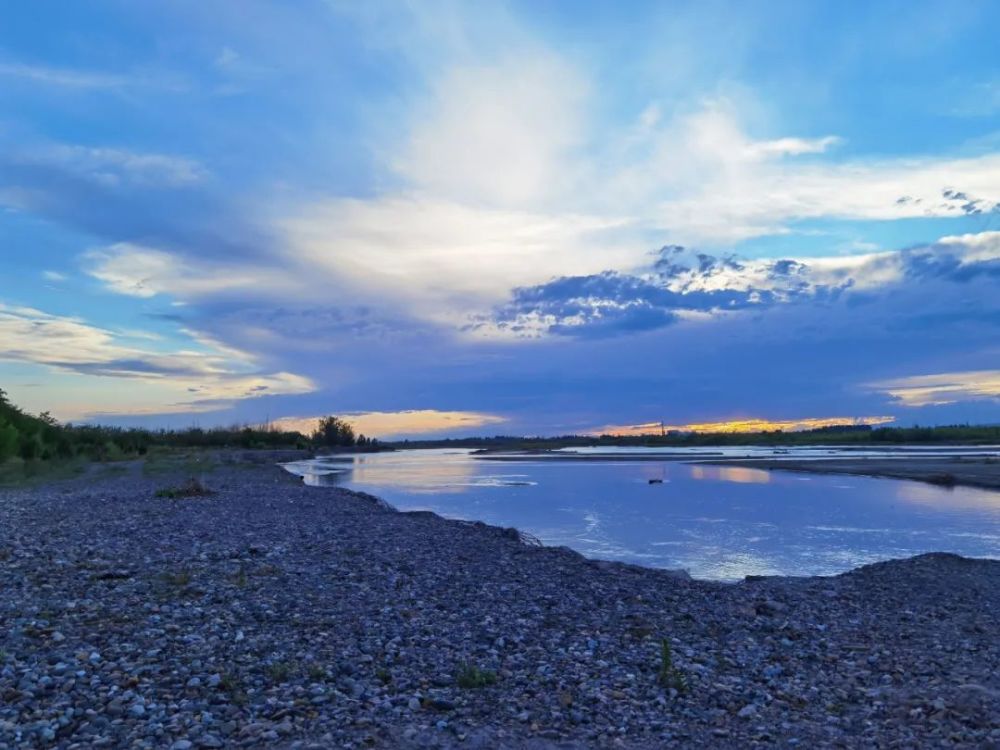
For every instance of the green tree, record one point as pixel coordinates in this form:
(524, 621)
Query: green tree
(8, 441)
(334, 432)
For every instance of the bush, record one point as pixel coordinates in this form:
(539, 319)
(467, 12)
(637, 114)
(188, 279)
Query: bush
(470, 677)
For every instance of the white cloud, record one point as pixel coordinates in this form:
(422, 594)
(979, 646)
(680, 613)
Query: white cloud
(439, 259)
(62, 77)
(138, 271)
(188, 376)
(703, 180)
(503, 134)
(792, 146)
(117, 166)
(942, 388)
(498, 192)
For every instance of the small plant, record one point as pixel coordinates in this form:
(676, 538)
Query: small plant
(470, 677)
(280, 671)
(231, 685)
(383, 675)
(177, 578)
(316, 672)
(191, 488)
(240, 578)
(670, 676)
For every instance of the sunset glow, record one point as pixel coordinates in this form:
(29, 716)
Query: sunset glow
(742, 425)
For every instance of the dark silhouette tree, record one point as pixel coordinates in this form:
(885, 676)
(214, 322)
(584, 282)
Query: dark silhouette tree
(334, 432)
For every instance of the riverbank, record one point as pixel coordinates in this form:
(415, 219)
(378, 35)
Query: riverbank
(270, 614)
(969, 471)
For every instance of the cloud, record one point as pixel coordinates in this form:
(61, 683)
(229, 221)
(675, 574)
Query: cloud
(206, 373)
(703, 179)
(489, 203)
(437, 258)
(76, 79)
(398, 424)
(681, 283)
(138, 271)
(792, 146)
(742, 425)
(942, 388)
(504, 133)
(114, 166)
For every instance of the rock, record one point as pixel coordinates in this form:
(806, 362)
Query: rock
(748, 711)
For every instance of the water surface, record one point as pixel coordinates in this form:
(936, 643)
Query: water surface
(718, 522)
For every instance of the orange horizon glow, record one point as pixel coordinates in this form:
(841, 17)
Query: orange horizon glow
(751, 424)
(389, 425)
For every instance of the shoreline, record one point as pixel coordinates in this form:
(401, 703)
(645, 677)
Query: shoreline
(272, 614)
(983, 473)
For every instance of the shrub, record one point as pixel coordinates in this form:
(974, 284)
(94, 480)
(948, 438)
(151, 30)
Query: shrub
(470, 676)
(191, 488)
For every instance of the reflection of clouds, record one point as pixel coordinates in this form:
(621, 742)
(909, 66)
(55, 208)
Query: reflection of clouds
(738, 474)
(949, 499)
(416, 472)
(709, 529)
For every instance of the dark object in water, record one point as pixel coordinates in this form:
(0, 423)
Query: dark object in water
(656, 481)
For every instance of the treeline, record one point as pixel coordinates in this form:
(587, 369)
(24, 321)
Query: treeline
(848, 435)
(41, 437)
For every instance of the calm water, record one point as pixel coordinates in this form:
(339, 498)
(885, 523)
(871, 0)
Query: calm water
(717, 522)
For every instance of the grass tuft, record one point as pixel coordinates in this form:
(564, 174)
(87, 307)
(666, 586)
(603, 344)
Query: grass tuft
(191, 488)
(669, 675)
(472, 677)
(177, 578)
(279, 671)
(233, 687)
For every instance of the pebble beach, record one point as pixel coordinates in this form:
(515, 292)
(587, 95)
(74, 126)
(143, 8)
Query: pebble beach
(265, 613)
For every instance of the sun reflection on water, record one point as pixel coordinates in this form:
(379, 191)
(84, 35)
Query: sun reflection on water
(739, 474)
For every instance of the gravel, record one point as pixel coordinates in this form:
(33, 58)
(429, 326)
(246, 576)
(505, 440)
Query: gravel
(270, 614)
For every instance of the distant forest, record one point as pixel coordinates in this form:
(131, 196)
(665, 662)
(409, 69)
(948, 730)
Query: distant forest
(33, 438)
(846, 435)
(40, 438)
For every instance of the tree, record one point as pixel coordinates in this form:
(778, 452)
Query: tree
(8, 441)
(334, 432)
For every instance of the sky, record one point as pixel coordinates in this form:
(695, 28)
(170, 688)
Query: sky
(447, 218)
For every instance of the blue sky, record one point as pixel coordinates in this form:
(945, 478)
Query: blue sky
(454, 218)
